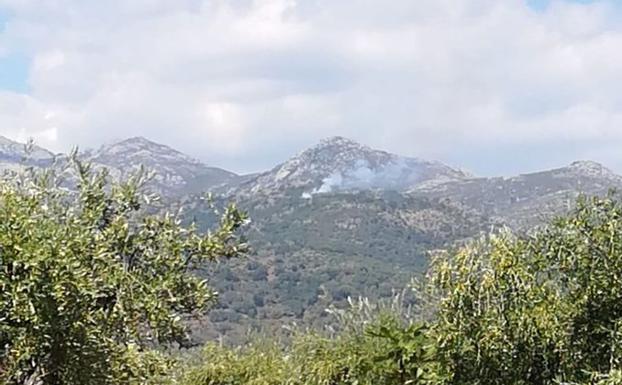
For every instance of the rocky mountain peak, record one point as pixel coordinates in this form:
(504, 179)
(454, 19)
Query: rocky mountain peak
(13, 151)
(339, 142)
(4, 141)
(335, 154)
(140, 149)
(589, 168)
(338, 163)
(175, 172)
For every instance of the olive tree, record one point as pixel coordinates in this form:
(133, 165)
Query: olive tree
(539, 309)
(90, 283)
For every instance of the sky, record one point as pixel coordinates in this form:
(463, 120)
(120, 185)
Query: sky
(494, 87)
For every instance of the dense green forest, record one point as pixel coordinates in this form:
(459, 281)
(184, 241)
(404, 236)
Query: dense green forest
(95, 290)
(309, 254)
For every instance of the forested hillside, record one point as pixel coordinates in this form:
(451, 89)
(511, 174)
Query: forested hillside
(337, 220)
(96, 290)
(310, 192)
(308, 254)
(505, 309)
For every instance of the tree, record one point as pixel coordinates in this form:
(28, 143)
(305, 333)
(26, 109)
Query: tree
(536, 309)
(90, 283)
(409, 350)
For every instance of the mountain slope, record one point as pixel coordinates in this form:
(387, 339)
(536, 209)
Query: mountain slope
(339, 219)
(311, 253)
(175, 172)
(340, 164)
(527, 200)
(14, 154)
(323, 230)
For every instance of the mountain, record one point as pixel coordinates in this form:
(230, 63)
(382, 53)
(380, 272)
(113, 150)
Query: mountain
(175, 172)
(308, 254)
(338, 219)
(528, 199)
(340, 164)
(341, 219)
(14, 154)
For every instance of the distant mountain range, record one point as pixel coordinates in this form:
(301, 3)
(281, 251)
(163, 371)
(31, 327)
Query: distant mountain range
(175, 173)
(339, 219)
(336, 164)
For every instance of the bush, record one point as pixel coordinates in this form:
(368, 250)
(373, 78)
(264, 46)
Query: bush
(376, 344)
(537, 309)
(89, 284)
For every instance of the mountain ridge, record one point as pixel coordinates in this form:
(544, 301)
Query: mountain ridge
(340, 219)
(13, 151)
(175, 172)
(334, 164)
(341, 164)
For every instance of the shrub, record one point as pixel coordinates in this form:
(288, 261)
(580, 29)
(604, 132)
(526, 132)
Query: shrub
(538, 309)
(89, 283)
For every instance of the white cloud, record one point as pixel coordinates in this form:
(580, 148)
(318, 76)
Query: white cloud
(244, 83)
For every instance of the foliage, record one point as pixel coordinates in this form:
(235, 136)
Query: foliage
(409, 350)
(92, 290)
(537, 309)
(374, 344)
(89, 283)
(309, 254)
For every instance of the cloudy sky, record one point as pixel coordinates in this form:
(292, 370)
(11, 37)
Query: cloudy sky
(496, 87)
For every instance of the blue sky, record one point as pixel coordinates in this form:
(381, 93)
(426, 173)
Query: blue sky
(4, 16)
(13, 65)
(487, 85)
(543, 4)
(538, 4)
(14, 72)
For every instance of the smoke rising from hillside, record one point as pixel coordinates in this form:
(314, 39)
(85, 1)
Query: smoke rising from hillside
(362, 176)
